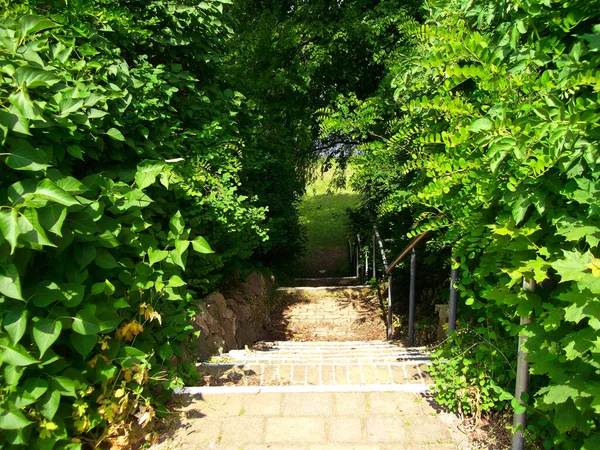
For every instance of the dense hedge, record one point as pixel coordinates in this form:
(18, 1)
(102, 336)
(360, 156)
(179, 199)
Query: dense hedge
(120, 162)
(487, 132)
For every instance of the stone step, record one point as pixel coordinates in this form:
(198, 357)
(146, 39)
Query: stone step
(326, 281)
(314, 374)
(284, 352)
(322, 291)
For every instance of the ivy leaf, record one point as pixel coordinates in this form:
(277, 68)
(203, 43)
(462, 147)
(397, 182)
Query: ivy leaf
(30, 24)
(49, 403)
(155, 256)
(201, 246)
(179, 255)
(30, 228)
(52, 218)
(105, 260)
(10, 285)
(176, 281)
(147, 171)
(9, 227)
(24, 157)
(12, 419)
(17, 355)
(83, 344)
(15, 322)
(85, 322)
(31, 77)
(116, 134)
(32, 389)
(48, 190)
(84, 254)
(177, 224)
(130, 356)
(45, 333)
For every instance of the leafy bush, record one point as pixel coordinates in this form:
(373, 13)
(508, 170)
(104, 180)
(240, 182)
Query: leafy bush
(470, 370)
(117, 159)
(490, 137)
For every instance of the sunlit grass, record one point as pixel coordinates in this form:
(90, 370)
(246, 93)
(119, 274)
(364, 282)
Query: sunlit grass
(323, 213)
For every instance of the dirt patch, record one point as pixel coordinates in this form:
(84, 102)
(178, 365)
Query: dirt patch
(490, 433)
(233, 376)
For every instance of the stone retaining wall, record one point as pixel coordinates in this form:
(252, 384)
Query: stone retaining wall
(234, 320)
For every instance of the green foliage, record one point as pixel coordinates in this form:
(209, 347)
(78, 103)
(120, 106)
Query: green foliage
(120, 169)
(488, 135)
(470, 370)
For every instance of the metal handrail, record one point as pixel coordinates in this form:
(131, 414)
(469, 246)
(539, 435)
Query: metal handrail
(406, 251)
(387, 270)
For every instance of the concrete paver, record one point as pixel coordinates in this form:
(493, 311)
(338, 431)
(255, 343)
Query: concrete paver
(387, 430)
(313, 420)
(350, 404)
(308, 404)
(345, 429)
(295, 429)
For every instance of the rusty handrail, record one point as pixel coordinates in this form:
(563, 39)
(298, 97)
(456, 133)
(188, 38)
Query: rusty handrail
(406, 251)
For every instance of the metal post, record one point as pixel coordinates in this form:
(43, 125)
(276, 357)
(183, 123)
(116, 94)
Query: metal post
(411, 298)
(453, 297)
(522, 383)
(374, 252)
(389, 305)
(357, 260)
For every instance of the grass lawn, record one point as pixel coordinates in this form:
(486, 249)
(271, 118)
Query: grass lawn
(323, 214)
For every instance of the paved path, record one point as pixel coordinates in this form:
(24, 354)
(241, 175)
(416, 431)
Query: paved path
(313, 421)
(332, 393)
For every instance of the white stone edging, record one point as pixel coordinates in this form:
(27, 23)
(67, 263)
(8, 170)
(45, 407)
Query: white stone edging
(195, 390)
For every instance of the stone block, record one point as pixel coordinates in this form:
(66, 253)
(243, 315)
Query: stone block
(307, 404)
(345, 429)
(295, 430)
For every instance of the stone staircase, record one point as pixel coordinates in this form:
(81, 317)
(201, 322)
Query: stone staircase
(330, 382)
(330, 329)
